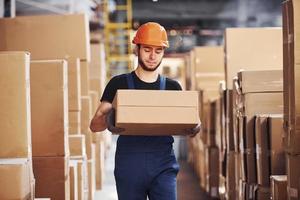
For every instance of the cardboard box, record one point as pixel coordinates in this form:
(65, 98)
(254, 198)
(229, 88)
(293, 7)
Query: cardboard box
(97, 86)
(86, 114)
(166, 113)
(95, 101)
(209, 81)
(89, 144)
(15, 105)
(262, 103)
(77, 146)
(74, 122)
(230, 176)
(279, 187)
(209, 59)
(229, 122)
(293, 177)
(247, 149)
(257, 81)
(73, 180)
(49, 86)
(47, 36)
(291, 46)
(97, 65)
(240, 43)
(84, 78)
(212, 162)
(92, 178)
(74, 84)
(269, 148)
(15, 179)
(99, 162)
(82, 179)
(52, 177)
(262, 193)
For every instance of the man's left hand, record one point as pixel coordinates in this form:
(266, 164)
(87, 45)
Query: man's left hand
(194, 131)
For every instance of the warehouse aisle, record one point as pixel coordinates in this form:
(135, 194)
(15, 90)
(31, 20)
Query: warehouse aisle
(188, 186)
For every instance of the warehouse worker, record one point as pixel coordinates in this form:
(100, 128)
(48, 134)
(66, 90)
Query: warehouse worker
(145, 166)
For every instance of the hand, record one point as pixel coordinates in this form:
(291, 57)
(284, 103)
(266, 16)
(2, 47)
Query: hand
(110, 121)
(194, 131)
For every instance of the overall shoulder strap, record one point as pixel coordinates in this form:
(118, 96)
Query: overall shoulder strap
(130, 82)
(162, 82)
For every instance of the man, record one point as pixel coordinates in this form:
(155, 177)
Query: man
(144, 165)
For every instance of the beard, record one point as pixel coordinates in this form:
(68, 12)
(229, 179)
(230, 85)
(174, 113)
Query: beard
(145, 67)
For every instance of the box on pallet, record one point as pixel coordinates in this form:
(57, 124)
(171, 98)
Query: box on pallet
(15, 105)
(166, 113)
(293, 176)
(77, 146)
(212, 157)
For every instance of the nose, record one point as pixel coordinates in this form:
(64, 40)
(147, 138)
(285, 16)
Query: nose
(152, 55)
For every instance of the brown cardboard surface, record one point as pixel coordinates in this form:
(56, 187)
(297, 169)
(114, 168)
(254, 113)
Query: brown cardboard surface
(15, 179)
(15, 105)
(91, 178)
(86, 114)
(262, 193)
(97, 65)
(49, 86)
(74, 84)
(82, 179)
(262, 150)
(293, 176)
(212, 162)
(89, 144)
(291, 17)
(73, 180)
(279, 187)
(165, 113)
(261, 81)
(208, 81)
(84, 78)
(230, 176)
(77, 146)
(74, 122)
(278, 154)
(209, 59)
(229, 121)
(262, 103)
(97, 86)
(94, 101)
(47, 36)
(52, 177)
(240, 43)
(99, 162)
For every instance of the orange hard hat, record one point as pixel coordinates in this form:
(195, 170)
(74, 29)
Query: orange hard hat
(151, 33)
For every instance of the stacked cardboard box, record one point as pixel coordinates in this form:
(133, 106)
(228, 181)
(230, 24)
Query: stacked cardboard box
(291, 58)
(17, 181)
(50, 147)
(252, 100)
(279, 187)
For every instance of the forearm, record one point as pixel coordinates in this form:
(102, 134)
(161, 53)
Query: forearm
(98, 123)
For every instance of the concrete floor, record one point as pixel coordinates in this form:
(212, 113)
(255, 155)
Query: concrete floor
(188, 187)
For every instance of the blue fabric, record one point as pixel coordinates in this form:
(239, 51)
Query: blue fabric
(139, 175)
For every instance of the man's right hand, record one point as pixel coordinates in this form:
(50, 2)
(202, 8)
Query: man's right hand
(110, 121)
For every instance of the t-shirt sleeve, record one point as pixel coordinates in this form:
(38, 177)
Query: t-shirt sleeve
(110, 91)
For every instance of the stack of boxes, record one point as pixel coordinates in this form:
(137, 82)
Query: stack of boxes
(291, 60)
(17, 181)
(60, 102)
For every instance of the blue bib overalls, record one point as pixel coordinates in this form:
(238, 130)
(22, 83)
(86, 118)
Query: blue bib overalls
(145, 165)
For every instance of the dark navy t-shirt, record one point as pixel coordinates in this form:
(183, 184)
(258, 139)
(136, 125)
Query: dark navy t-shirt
(130, 143)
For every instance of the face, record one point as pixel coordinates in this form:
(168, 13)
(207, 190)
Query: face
(150, 56)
